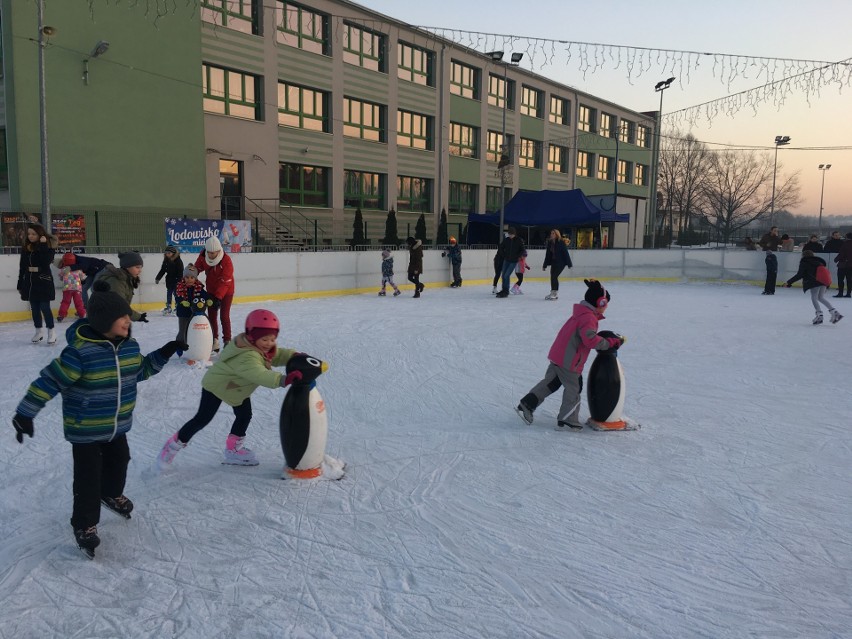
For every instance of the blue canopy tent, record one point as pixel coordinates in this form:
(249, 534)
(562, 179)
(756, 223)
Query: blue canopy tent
(553, 209)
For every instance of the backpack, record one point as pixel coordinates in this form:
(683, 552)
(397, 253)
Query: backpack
(823, 276)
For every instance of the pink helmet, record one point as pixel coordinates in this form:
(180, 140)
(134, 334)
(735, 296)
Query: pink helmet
(262, 319)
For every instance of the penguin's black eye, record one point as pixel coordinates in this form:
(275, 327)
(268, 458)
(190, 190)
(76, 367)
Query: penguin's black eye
(313, 362)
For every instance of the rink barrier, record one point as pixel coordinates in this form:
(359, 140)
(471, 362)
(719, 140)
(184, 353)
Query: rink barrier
(285, 276)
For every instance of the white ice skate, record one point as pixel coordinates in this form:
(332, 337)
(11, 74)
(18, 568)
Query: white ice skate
(237, 454)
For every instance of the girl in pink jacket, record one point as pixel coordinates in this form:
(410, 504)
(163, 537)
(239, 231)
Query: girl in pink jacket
(568, 354)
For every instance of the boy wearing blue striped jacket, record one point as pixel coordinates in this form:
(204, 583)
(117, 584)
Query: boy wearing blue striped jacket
(96, 373)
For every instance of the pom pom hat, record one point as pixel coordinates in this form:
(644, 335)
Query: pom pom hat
(104, 307)
(386, 254)
(129, 259)
(190, 271)
(596, 295)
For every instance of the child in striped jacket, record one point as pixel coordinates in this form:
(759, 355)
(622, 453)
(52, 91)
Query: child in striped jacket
(96, 374)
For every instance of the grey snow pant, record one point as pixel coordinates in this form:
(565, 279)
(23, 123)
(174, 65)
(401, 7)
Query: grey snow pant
(554, 378)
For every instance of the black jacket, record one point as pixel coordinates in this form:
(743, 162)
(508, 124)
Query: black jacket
(35, 281)
(833, 245)
(173, 270)
(557, 254)
(512, 248)
(816, 247)
(807, 272)
(844, 255)
(89, 265)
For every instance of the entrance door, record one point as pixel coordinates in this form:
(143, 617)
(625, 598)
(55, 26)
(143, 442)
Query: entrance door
(231, 189)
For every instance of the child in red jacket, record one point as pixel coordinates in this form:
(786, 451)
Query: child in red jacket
(568, 354)
(219, 271)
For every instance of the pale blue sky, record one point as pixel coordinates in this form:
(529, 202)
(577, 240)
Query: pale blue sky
(777, 28)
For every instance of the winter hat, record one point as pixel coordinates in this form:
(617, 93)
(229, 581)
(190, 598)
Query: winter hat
(128, 259)
(212, 244)
(68, 259)
(385, 254)
(452, 240)
(190, 271)
(410, 241)
(104, 307)
(171, 250)
(807, 253)
(255, 334)
(596, 295)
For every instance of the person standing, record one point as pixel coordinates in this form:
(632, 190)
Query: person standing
(454, 253)
(387, 274)
(843, 259)
(770, 241)
(72, 284)
(512, 248)
(787, 243)
(219, 270)
(498, 268)
(834, 243)
(172, 268)
(520, 271)
(771, 273)
(415, 264)
(35, 281)
(808, 266)
(813, 244)
(557, 258)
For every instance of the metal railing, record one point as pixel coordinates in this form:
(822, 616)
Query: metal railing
(282, 227)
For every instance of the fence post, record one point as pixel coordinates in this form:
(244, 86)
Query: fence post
(316, 237)
(97, 230)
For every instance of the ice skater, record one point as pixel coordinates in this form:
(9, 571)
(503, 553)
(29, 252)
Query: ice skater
(415, 264)
(520, 268)
(455, 254)
(387, 274)
(96, 374)
(172, 268)
(190, 299)
(568, 354)
(771, 261)
(72, 287)
(809, 273)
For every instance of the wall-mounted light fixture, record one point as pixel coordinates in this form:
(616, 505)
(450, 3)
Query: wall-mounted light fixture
(100, 48)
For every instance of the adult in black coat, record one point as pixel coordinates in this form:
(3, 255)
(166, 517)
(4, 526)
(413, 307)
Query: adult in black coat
(557, 258)
(813, 244)
(843, 259)
(91, 266)
(415, 264)
(35, 280)
(512, 248)
(834, 243)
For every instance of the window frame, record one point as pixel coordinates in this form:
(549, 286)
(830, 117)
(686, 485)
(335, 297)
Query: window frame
(407, 204)
(458, 84)
(455, 201)
(302, 193)
(492, 197)
(640, 174)
(585, 162)
(410, 74)
(357, 57)
(589, 123)
(604, 166)
(527, 107)
(508, 96)
(563, 118)
(529, 153)
(361, 195)
(608, 130)
(300, 112)
(379, 113)
(226, 98)
(560, 164)
(425, 135)
(626, 130)
(643, 136)
(224, 9)
(320, 44)
(624, 171)
(459, 144)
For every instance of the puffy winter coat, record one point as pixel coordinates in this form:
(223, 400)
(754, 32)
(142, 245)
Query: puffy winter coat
(844, 256)
(241, 368)
(415, 258)
(454, 252)
(577, 337)
(387, 267)
(219, 278)
(196, 297)
(557, 254)
(121, 282)
(173, 270)
(35, 280)
(807, 272)
(97, 379)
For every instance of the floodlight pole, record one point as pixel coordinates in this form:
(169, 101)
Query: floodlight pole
(42, 105)
(660, 87)
(823, 168)
(780, 140)
(506, 151)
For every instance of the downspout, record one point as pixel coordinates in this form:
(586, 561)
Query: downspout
(439, 136)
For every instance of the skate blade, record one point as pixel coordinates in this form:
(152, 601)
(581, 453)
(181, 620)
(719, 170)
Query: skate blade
(521, 415)
(88, 552)
(240, 463)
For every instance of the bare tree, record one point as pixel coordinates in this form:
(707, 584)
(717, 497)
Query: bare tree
(684, 167)
(738, 190)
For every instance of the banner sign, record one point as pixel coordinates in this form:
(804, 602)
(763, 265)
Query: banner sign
(190, 235)
(70, 230)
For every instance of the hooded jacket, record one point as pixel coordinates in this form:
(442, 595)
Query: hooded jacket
(172, 269)
(122, 282)
(241, 368)
(807, 272)
(415, 258)
(557, 254)
(577, 337)
(97, 379)
(35, 279)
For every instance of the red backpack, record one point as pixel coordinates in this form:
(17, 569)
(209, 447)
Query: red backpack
(823, 276)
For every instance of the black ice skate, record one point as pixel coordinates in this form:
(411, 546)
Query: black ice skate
(120, 505)
(87, 540)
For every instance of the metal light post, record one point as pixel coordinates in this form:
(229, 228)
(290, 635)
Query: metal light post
(823, 168)
(497, 58)
(780, 140)
(655, 160)
(42, 105)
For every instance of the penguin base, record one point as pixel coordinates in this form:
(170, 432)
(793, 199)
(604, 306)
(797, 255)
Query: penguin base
(308, 473)
(621, 424)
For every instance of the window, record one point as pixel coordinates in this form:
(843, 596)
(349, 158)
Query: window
(365, 120)
(560, 110)
(303, 107)
(363, 190)
(414, 194)
(557, 159)
(626, 131)
(495, 147)
(413, 130)
(464, 80)
(464, 140)
(303, 185)
(415, 64)
(529, 154)
(492, 197)
(606, 129)
(531, 102)
(301, 27)
(364, 48)
(240, 15)
(604, 168)
(624, 171)
(462, 197)
(501, 92)
(4, 163)
(643, 137)
(586, 119)
(230, 92)
(584, 163)
(640, 175)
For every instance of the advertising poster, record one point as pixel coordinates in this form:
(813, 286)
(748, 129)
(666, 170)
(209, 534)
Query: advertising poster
(13, 226)
(190, 235)
(70, 230)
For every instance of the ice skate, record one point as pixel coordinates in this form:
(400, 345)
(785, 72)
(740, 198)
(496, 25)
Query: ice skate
(552, 296)
(87, 540)
(216, 345)
(119, 505)
(818, 318)
(171, 448)
(835, 316)
(237, 454)
(494, 291)
(382, 294)
(515, 290)
(566, 426)
(397, 293)
(39, 335)
(167, 310)
(59, 320)
(51, 336)
(524, 411)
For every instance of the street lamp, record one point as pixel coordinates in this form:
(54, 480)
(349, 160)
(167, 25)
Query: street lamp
(823, 168)
(497, 58)
(43, 32)
(780, 140)
(661, 86)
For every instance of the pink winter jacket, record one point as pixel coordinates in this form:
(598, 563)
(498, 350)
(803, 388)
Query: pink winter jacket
(576, 338)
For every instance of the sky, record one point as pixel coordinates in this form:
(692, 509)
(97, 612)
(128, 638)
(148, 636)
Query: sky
(766, 28)
(725, 515)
